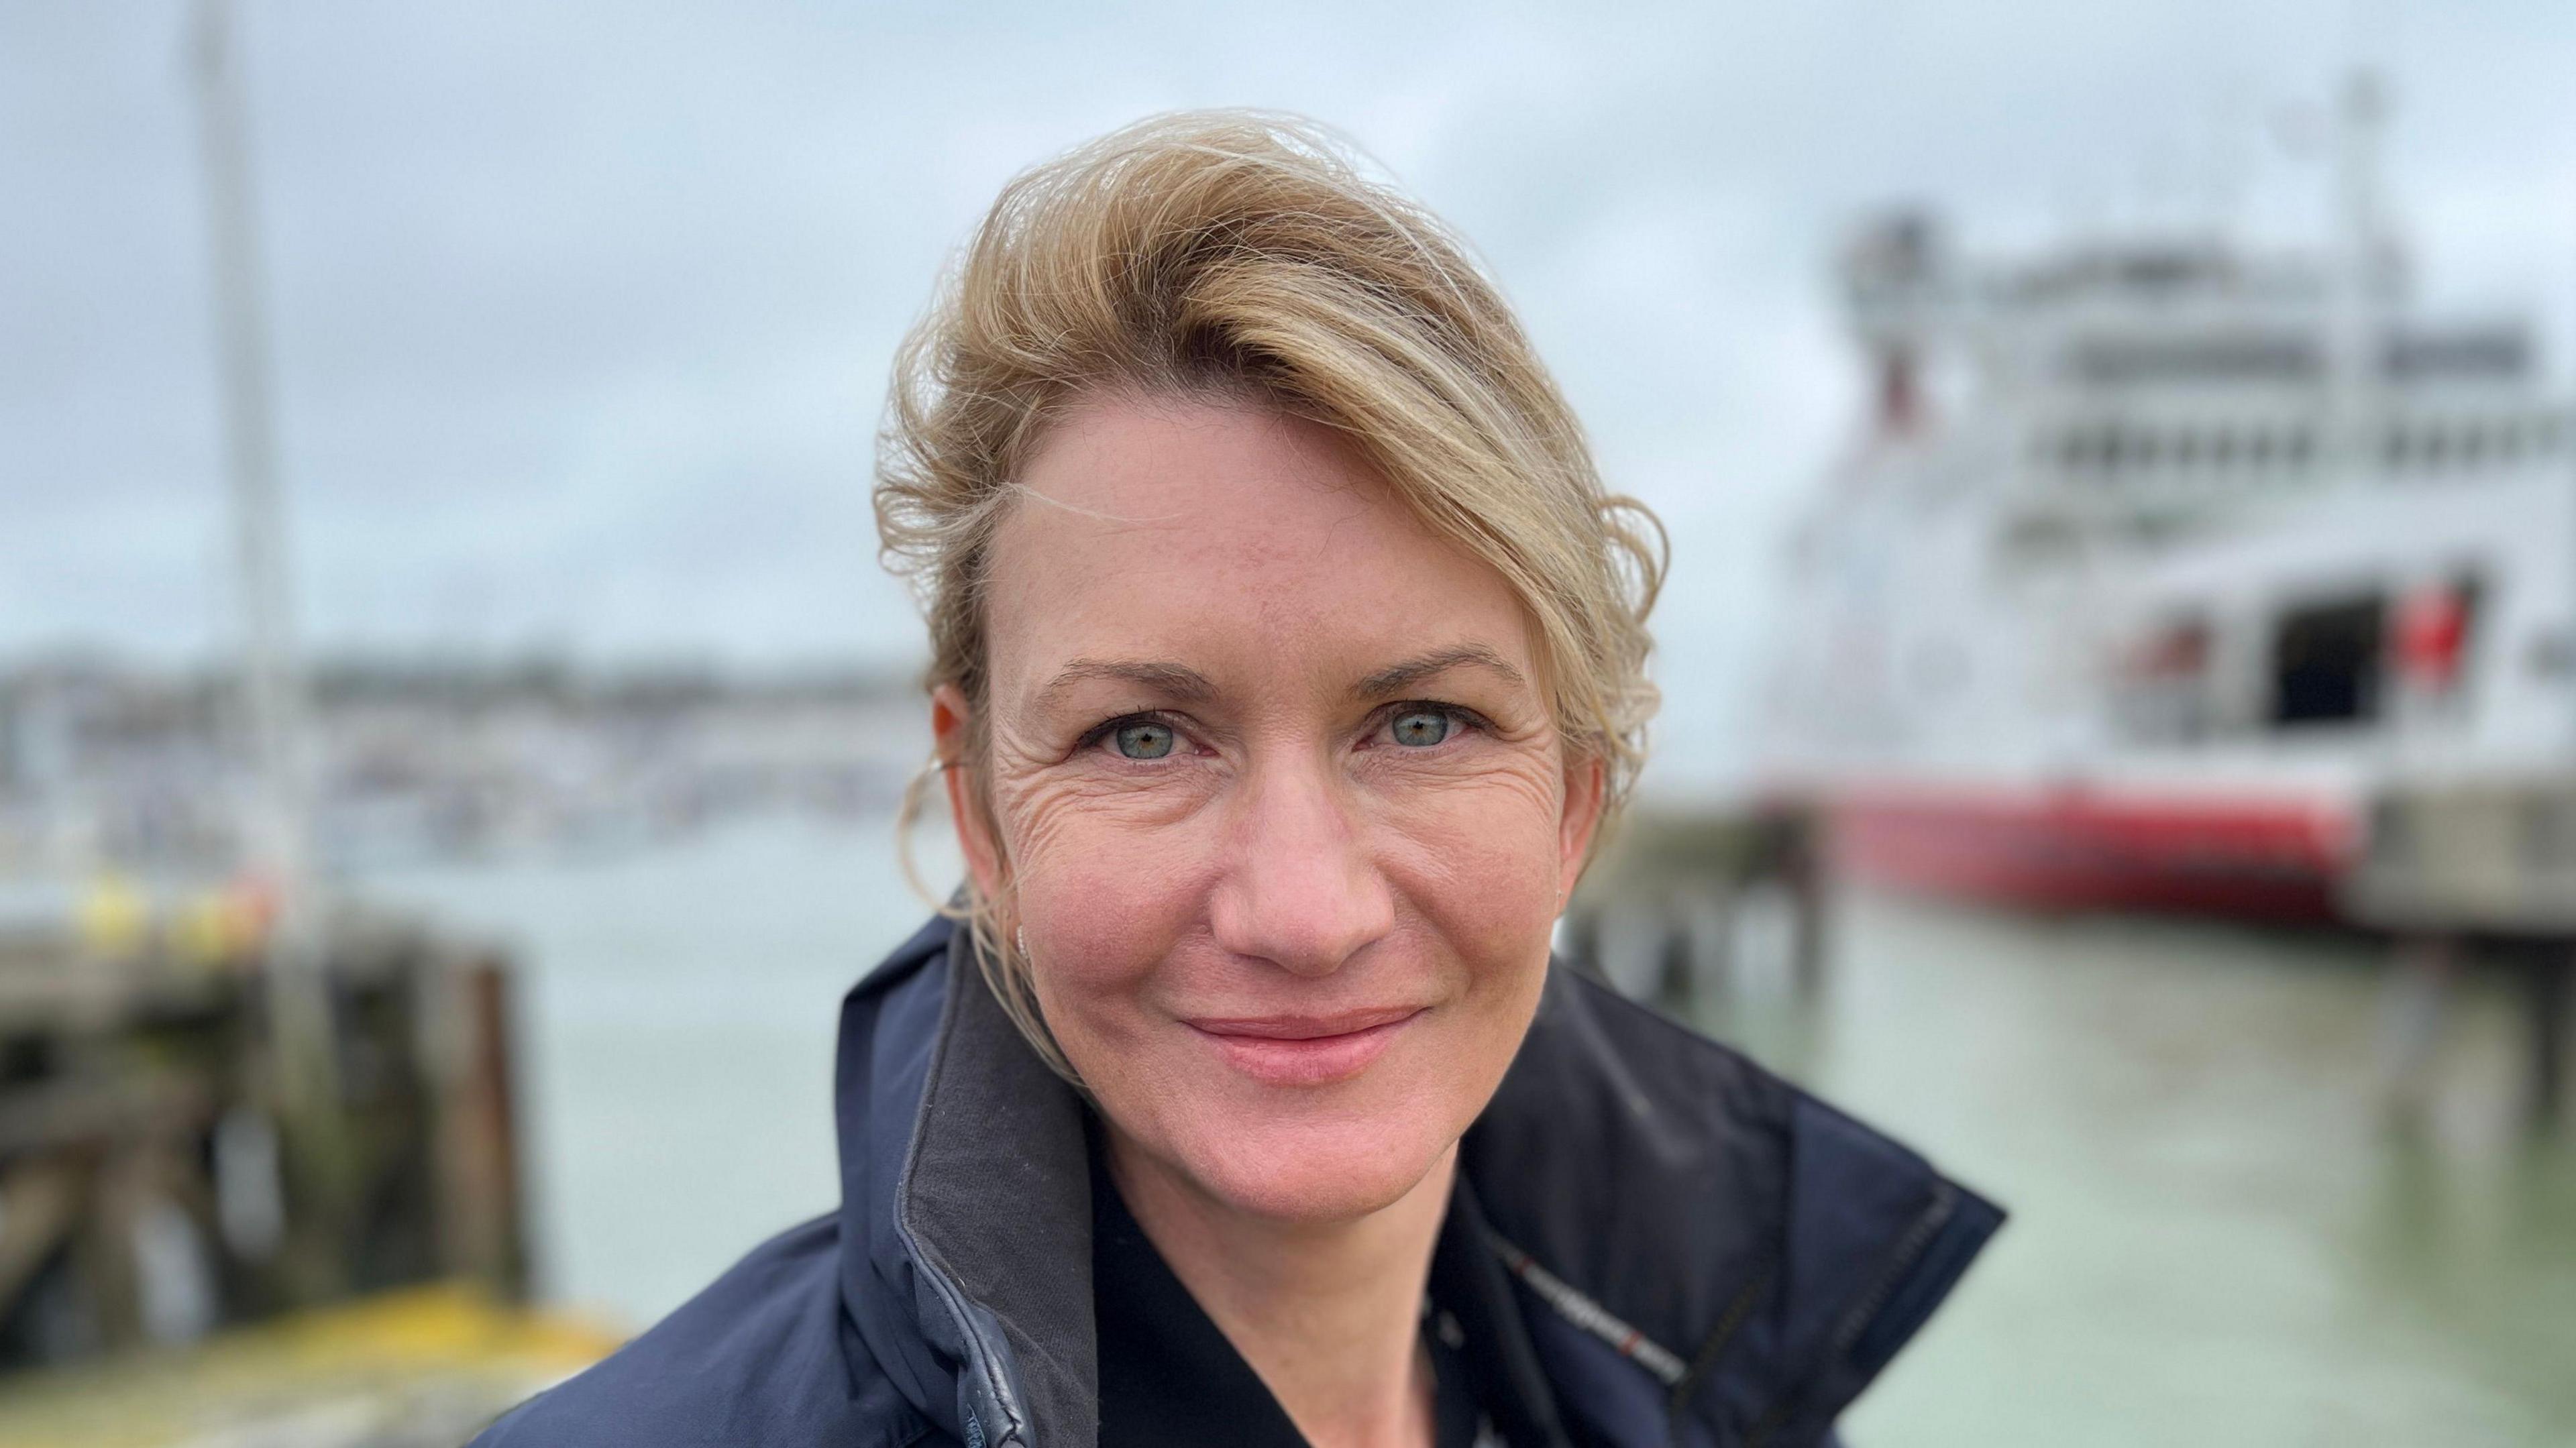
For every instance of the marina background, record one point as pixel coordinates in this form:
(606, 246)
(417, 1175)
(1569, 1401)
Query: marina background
(580, 316)
(2215, 1237)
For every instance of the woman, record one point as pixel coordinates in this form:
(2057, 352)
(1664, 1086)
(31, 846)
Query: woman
(1287, 659)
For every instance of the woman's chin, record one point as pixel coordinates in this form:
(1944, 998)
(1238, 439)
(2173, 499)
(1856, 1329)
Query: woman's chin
(1307, 1171)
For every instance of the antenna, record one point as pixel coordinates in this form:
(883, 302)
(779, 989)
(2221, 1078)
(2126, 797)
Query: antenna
(2364, 270)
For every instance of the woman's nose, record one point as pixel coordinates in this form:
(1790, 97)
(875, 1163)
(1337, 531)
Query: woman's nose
(1299, 888)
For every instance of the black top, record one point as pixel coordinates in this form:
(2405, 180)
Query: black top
(1169, 1376)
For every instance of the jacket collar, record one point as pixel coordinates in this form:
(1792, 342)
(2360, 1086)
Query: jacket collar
(1706, 1254)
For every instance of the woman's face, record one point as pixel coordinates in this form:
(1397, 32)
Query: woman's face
(1281, 811)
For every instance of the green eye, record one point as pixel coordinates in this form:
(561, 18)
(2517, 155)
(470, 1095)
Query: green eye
(1144, 739)
(1421, 728)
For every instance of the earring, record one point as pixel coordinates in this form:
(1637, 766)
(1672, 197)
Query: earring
(1020, 935)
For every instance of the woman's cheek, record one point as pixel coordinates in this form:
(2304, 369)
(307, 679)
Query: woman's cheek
(1483, 861)
(1109, 897)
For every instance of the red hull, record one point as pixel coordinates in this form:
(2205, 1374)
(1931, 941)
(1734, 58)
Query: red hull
(2078, 850)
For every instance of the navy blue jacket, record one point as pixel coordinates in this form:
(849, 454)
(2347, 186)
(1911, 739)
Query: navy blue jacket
(1705, 1255)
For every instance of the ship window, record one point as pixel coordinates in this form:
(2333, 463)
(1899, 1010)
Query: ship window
(2488, 352)
(2161, 691)
(2431, 633)
(2258, 448)
(2435, 447)
(2326, 662)
(2301, 447)
(2034, 544)
(2222, 449)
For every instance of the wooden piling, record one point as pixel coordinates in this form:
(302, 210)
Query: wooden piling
(2547, 990)
(122, 1081)
(1686, 874)
(2487, 866)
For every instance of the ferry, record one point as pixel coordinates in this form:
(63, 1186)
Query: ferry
(2163, 555)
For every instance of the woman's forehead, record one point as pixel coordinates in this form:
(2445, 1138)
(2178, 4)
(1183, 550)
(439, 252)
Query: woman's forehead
(1217, 537)
(1191, 468)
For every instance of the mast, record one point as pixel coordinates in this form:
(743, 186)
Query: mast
(271, 683)
(2363, 277)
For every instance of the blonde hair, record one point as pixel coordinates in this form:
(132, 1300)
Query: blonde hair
(1243, 255)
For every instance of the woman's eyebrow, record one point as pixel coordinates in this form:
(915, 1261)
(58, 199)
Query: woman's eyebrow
(1177, 682)
(1397, 678)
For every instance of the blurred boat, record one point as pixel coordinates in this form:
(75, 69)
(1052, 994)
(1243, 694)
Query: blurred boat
(2163, 556)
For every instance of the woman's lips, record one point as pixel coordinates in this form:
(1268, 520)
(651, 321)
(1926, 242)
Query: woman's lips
(1305, 1050)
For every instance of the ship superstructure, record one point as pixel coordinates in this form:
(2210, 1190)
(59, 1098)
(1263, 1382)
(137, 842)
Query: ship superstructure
(2162, 553)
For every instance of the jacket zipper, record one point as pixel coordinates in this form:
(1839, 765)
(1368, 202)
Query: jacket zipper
(1902, 1261)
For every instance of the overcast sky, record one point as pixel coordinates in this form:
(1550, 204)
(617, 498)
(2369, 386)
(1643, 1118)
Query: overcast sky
(583, 310)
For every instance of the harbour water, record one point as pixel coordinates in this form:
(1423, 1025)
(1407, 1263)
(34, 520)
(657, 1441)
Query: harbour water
(2218, 1238)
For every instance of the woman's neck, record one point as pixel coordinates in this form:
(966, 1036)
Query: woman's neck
(1329, 1315)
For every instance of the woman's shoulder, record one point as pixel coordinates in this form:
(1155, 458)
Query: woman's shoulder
(759, 1356)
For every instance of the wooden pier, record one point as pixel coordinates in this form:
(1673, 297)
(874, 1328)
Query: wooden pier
(1661, 914)
(161, 1181)
(2485, 871)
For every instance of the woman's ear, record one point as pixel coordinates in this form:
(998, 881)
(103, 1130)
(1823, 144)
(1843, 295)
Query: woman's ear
(952, 724)
(1586, 783)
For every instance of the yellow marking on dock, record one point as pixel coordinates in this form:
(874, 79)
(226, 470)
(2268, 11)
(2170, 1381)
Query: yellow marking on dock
(423, 1366)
